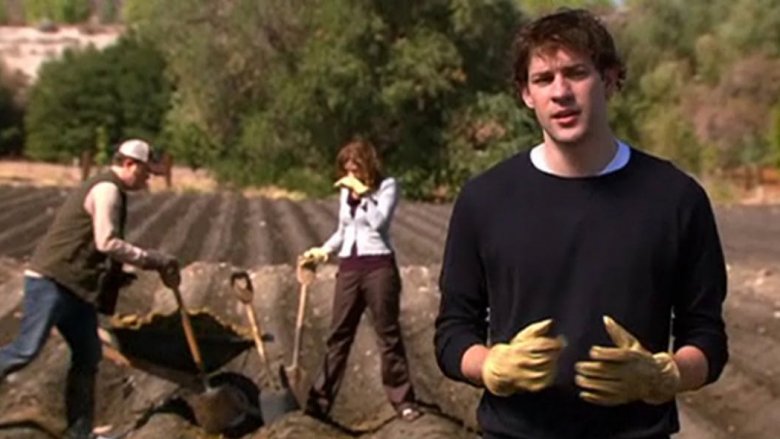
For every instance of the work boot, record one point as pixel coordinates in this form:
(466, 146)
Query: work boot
(79, 404)
(81, 429)
(315, 409)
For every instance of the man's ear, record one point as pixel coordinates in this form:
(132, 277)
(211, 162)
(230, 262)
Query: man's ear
(611, 79)
(128, 163)
(526, 96)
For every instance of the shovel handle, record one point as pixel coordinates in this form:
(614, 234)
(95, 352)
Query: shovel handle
(244, 291)
(299, 325)
(189, 333)
(250, 312)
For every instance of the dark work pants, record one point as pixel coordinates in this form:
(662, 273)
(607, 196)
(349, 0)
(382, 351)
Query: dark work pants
(379, 290)
(47, 305)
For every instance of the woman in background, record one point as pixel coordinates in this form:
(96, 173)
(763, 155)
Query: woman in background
(367, 277)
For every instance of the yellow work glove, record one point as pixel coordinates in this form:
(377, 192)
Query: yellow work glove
(626, 373)
(317, 255)
(527, 363)
(352, 183)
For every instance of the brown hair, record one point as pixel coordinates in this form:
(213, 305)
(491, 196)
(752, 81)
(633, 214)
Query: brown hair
(365, 156)
(574, 29)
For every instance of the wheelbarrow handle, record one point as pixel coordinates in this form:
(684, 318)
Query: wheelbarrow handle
(189, 333)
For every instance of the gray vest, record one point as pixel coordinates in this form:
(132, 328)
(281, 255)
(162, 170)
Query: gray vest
(67, 252)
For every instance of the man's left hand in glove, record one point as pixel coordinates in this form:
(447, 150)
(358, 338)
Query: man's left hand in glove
(627, 372)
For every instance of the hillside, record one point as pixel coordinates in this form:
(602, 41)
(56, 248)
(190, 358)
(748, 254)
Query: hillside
(23, 49)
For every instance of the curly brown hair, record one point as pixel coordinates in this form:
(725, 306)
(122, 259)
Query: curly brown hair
(574, 29)
(367, 159)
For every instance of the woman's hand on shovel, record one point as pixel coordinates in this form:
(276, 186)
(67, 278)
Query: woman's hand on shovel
(316, 255)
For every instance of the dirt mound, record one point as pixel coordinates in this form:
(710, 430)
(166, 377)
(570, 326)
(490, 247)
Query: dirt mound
(129, 399)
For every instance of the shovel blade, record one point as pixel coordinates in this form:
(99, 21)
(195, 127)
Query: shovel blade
(275, 404)
(217, 408)
(297, 381)
(229, 405)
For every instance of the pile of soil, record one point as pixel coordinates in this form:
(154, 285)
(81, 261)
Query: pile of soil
(130, 399)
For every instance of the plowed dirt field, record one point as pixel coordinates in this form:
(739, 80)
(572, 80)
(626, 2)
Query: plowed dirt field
(217, 233)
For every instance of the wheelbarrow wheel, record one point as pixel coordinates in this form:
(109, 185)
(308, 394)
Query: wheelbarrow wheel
(251, 394)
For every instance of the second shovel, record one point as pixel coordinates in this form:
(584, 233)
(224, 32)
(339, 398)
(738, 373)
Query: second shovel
(278, 399)
(305, 274)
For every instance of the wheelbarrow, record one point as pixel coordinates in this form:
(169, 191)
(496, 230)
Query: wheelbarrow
(189, 349)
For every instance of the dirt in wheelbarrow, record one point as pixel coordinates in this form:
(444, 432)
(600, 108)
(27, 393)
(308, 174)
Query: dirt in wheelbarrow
(134, 403)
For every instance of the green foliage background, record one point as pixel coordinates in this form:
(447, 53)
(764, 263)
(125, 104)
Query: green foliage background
(266, 92)
(11, 116)
(92, 99)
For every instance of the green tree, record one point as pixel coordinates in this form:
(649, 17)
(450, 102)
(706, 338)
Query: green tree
(218, 54)
(60, 11)
(751, 26)
(773, 136)
(539, 7)
(479, 135)
(89, 96)
(398, 75)
(270, 90)
(10, 115)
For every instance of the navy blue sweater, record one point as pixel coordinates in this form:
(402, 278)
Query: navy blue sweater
(639, 244)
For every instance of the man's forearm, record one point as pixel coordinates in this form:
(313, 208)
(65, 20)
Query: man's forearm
(472, 362)
(693, 367)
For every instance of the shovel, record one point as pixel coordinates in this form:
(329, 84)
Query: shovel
(305, 274)
(279, 400)
(219, 407)
(242, 287)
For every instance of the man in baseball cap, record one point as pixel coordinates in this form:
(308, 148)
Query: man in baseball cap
(140, 151)
(76, 271)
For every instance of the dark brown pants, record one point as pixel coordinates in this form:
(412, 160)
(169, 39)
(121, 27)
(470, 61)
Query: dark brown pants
(379, 290)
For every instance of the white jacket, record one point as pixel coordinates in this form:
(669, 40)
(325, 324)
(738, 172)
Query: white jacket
(370, 227)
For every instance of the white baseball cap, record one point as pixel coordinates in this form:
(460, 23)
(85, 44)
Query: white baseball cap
(140, 150)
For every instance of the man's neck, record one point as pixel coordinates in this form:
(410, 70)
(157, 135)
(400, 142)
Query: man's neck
(582, 159)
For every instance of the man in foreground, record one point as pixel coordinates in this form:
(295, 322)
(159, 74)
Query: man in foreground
(568, 269)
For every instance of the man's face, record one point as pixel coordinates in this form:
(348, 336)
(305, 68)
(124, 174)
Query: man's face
(568, 95)
(137, 174)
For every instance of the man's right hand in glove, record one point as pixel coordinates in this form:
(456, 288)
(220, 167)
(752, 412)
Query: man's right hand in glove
(171, 276)
(318, 255)
(526, 364)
